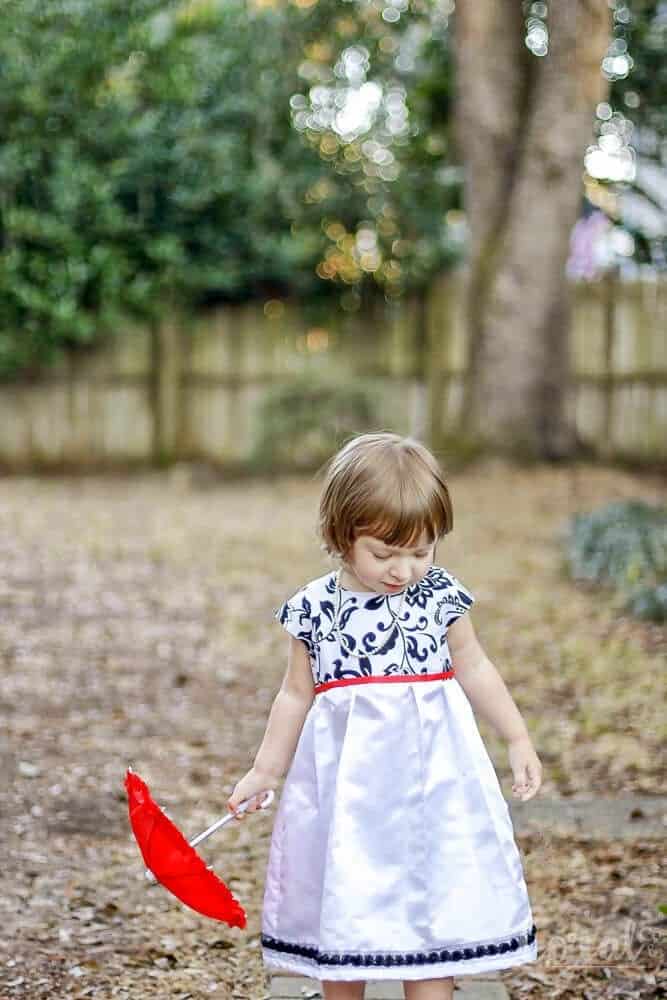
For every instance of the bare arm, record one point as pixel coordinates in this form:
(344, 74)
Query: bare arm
(286, 719)
(482, 683)
(288, 713)
(492, 701)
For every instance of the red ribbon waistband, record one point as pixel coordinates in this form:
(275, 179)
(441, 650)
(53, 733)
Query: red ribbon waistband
(392, 679)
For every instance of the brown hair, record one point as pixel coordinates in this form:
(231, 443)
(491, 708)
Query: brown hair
(386, 485)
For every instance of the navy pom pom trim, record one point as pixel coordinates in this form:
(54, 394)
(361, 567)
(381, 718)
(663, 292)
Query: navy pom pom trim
(397, 958)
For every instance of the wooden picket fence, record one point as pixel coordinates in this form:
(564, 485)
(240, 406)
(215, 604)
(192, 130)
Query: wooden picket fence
(191, 389)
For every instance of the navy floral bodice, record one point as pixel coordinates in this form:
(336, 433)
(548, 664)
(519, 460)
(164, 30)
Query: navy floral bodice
(413, 641)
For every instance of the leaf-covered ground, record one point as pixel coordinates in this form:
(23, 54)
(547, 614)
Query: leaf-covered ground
(136, 627)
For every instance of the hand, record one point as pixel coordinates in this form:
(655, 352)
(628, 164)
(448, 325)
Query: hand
(526, 768)
(252, 785)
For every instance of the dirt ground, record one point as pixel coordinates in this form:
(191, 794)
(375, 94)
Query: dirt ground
(136, 627)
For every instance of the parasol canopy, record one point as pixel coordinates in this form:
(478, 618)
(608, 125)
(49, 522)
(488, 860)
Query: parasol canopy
(174, 862)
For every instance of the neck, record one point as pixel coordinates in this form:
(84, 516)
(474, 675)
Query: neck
(347, 579)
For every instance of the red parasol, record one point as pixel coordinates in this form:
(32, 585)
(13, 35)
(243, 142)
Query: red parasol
(174, 862)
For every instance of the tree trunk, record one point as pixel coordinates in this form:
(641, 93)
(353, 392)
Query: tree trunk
(523, 124)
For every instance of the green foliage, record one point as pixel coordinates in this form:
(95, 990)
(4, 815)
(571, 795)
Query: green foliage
(301, 422)
(147, 158)
(649, 602)
(393, 190)
(643, 92)
(66, 265)
(624, 544)
(165, 153)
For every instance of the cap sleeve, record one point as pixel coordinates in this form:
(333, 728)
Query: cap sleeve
(295, 615)
(452, 599)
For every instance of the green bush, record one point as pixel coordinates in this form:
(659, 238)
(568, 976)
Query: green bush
(148, 161)
(300, 423)
(138, 167)
(624, 544)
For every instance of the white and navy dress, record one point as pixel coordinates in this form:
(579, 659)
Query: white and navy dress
(392, 852)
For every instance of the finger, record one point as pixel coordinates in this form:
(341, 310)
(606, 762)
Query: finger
(531, 788)
(530, 778)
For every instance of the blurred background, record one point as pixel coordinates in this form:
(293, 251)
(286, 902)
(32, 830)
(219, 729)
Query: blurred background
(233, 235)
(235, 232)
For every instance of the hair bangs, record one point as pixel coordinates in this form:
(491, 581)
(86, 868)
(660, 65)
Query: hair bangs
(386, 486)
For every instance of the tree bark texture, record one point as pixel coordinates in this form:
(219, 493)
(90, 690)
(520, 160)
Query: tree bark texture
(523, 123)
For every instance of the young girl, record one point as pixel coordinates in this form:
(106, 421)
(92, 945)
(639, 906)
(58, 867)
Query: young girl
(392, 854)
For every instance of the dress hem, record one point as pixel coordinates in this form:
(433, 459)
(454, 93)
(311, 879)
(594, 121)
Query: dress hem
(437, 970)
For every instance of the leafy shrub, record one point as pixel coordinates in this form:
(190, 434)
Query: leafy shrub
(147, 158)
(302, 422)
(649, 602)
(148, 161)
(624, 544)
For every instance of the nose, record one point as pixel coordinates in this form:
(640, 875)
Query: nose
(399, 570)
(397, 580)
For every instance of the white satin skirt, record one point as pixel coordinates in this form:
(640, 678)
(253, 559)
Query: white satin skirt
(392, 852)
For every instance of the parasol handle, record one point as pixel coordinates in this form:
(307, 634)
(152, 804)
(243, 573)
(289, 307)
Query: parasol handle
(266, 802)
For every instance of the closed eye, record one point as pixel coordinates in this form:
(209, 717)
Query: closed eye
(420, 555)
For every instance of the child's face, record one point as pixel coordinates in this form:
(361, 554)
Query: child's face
(373, 565)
